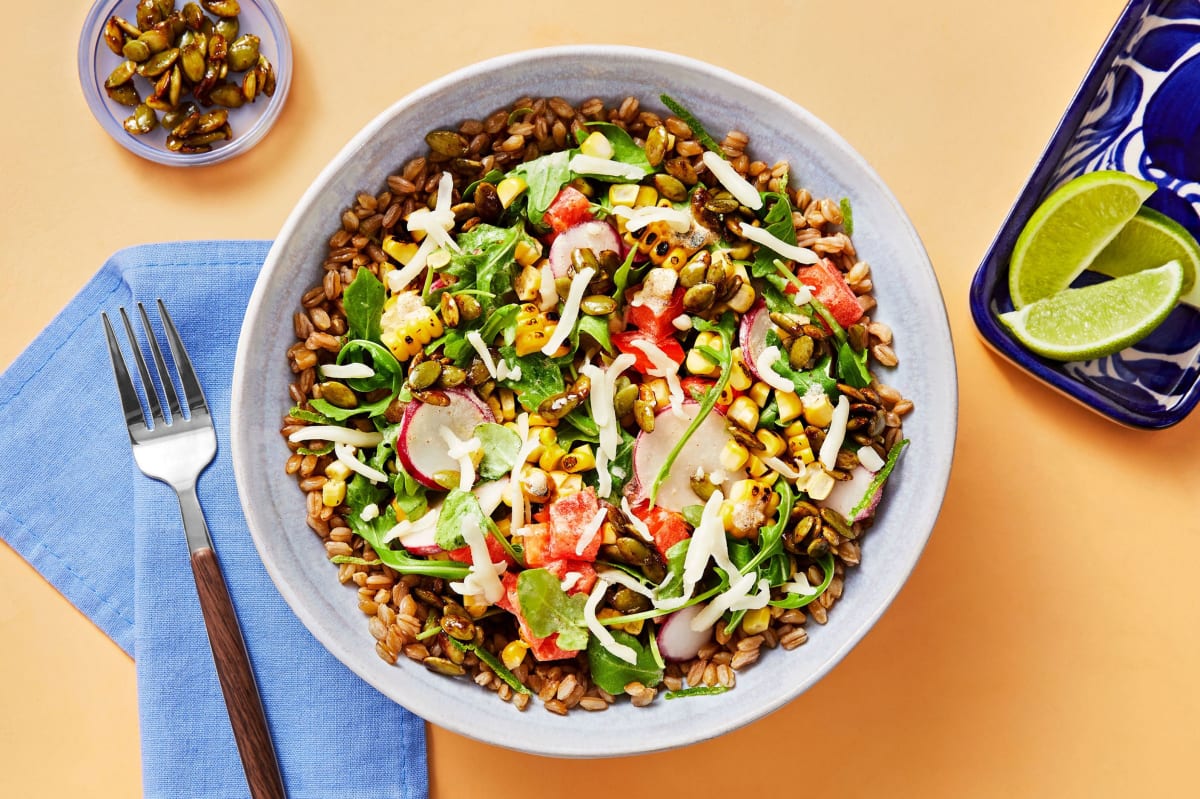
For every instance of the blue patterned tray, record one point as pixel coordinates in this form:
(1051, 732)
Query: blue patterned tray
(1138, 110)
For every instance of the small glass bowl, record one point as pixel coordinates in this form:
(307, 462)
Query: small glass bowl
(250, 122)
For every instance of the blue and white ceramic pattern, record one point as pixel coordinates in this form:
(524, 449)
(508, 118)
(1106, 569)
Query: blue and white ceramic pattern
(1138, 111)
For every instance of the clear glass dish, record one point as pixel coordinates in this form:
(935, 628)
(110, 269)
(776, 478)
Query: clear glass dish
(250, 122)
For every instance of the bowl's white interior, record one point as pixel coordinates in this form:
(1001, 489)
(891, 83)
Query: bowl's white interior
(909, 300)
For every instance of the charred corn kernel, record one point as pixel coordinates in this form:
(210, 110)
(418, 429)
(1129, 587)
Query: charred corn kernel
(528, 342)
(547, 436)
(733, 456)
(608, 533)
(756, 467)
(646, 195)
(513, 655)
(535, 484)
(566, 484)
(769, 479)
(622, 193)
(760, 392)
(528, 252)
(743, 298)
(662, 392)
(663, 202)
(333, 493)
(508, 404)
(537, 420)
(504, 526)
(337, 471)
(697, 362)
(741, 252)
(597, 146)
(744, 412)
(819, 483)
(773, 443)
(551, 457)
(799, 447)
(677, 257)
(493, 403)
(790, 406)
(756, 621)
(728, 395)
(747, 491)
(818, 411)
(475, 606)
(402, 251)
(510, 189)
(408, 324)
(578, 460)
(739, 378)
(796, 428)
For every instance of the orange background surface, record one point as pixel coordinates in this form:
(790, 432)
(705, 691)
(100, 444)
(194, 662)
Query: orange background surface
(1046, 645)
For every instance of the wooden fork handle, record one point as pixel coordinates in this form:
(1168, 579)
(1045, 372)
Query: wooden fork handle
(250, 729)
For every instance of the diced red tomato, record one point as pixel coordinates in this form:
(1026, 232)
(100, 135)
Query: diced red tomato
(542, 648)
(496, 552)
(585, 570)
(625, 343)
(829, 286)
(569, 517)
(568, 208)
(667, 527)
(656, 319)
(535, 538)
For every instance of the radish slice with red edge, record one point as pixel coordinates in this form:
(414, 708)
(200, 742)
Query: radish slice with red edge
(421, 448)
(753, 336)
(847, 494)
(677, 641)
(702, 451)
(596, 236)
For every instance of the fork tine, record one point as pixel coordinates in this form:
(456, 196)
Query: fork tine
(187, 375)
(156, 410)
(161, 366)
(130, 403)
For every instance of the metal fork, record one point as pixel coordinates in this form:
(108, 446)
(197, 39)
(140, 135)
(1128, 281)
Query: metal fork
(175, 451)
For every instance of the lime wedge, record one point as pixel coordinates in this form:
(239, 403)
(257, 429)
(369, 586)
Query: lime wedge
(1151, 239)
(1068, 231)
(1078, 324)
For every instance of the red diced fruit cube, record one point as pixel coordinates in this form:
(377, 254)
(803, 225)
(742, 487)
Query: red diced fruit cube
(585, 570)
(536, 540)
(496, 551)
(667, 527)
(568, 208)
(569, 518)
(827, 284)
(654, 317)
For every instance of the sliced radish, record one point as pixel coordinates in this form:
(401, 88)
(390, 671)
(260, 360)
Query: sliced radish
(753, 336)
(596, 236)
(421, 447)
(421, 540)
(846, 494)
(677, 641)
(701, 452)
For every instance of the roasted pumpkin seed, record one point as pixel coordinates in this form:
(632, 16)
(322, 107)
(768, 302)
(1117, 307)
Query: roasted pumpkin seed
(243, 52)
(192, 15)
(721, 202)
(147, 14)
(452, 376)
(212, 120)
(487, 202)
(468, 307)
(158, 63)
(227, 95)
(120, 75)
(333, 392)
(125, 94)
(424, 374)
(222, 8)
(114, 37)
(694, 271)
(136, 50)
(699, 298)
(670, 187)
(250, 85)
(173, 118)
(623, 400)
(155, 40)
(443, 666)
(449, 309)
(458, 626)
(191, 58)
(627, 600)
(598, 305)
(800, 353)
(227, 27)
(656, 145)
(142, 120)
(446, 143)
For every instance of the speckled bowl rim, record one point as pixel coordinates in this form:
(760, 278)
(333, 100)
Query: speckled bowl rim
(922, 476)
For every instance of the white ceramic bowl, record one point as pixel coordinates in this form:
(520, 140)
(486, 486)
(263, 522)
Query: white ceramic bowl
(909, 301)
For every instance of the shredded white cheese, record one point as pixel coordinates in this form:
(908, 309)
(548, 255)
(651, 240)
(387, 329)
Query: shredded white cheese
(569, 580)
(638, 218)
(369, 512)
(775, 244)
(870, 459)
(484, 577)
(506, 372)
(405, 529)
(708, 542)
(566, 322)
(588, 533)
(666, 368)
(637, 524)
(485, 355)
(547, 290)
(621, 578)
(337, 435)
(782, 468)
(603, 476)
(397, 279)
(763, 363)
(516, 497)
(461, 451)
(836, 434)
(591, 165)
(347, 370)
(345, 454)
(682, 322)
(737, 185)
(799, 585)
(603, 636)
(436, 225)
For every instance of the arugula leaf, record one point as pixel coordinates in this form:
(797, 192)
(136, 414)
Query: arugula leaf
(324, 449)
(494, 176)
(852, 366)
(341, 414)
(771, 288)
(770, 538)
(548, 609)
(621, 276)
(457, 508)
(596, 327)
(363, 300)
(697, 690)
(625, 151)
(501, 320)
(621, 467)
(770, 414)
(692, 514)
(672, 584)
(847, 216)
(307, 416)
(697, 129)
(360, 492)
(803, 381)
(494, 663)
(500, 448)
(545, 176)
(581, 419)
(777, 222)
(800, 600)
(485, 262)
(612, 674)
(388, 371)
(540, 378)
(880, 476)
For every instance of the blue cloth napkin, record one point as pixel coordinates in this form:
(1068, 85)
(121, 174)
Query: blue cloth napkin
(111, 541)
